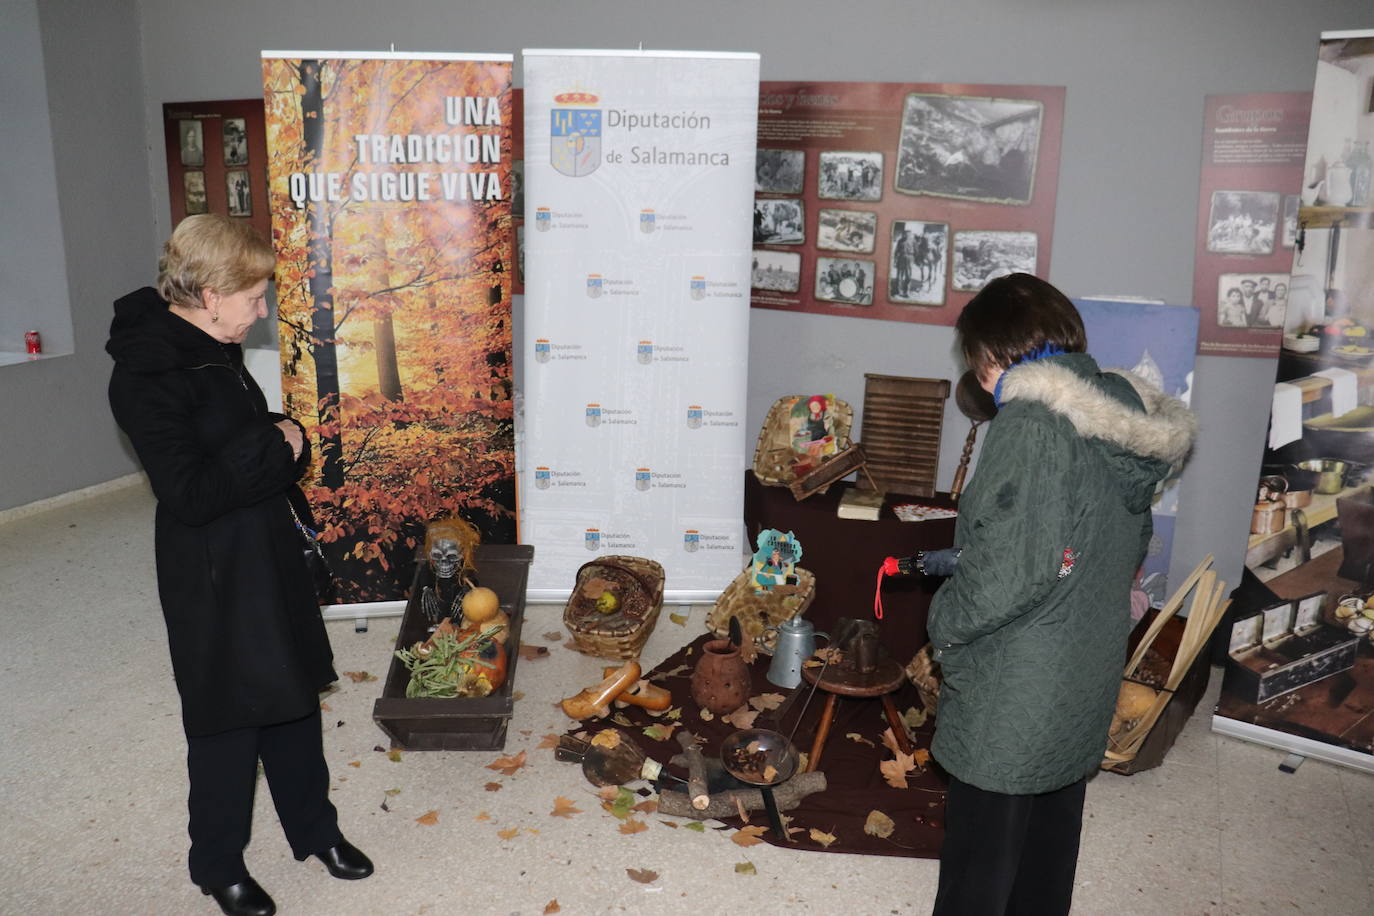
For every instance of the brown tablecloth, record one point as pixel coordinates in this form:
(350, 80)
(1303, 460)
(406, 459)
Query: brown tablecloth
(855, 784)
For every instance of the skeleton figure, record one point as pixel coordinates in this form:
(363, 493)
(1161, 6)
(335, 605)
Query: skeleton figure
(449, 546)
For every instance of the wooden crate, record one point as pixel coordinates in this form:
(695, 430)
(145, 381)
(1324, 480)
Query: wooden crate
(902, 422)
(459, 723)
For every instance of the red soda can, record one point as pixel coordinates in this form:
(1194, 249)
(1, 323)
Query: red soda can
(33, 344)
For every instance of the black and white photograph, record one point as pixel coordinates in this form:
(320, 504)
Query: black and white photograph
(1252, 300)
(779, 271)
(239, 193)
(1289, 236)
(916, 271)
(235, 132)
(969, 148)
(779, 222)
(517, 188)
(844, 280)
(847, 230)
(981, 255)
(193, 183)
(850, 176)
(779, 171)
(520, 251)
(1242, 222)
(192, 140)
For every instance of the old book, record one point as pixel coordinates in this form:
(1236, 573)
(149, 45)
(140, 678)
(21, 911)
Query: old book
(861, 504)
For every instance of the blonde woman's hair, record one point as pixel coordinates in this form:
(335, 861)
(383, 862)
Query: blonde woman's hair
(211, 251)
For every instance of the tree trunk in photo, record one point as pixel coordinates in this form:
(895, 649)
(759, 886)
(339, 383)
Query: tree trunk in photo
(321, 264)
(388, 372)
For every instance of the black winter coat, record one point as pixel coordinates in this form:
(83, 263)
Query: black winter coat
(248, 643)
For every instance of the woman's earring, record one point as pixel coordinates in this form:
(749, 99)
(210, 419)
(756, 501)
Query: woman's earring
(214, 316)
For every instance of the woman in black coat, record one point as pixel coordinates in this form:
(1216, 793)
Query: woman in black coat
(248, 644)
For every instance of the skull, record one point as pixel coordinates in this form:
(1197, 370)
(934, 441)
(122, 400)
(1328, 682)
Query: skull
(444, 557)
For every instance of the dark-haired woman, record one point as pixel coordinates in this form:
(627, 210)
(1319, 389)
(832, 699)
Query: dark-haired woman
(249, 649)
(1031, 628)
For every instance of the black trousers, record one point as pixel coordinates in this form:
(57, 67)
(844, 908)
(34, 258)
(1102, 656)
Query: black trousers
(224, 775)
(1009, 855)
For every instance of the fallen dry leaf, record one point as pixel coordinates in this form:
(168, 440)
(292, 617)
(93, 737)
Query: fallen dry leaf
(748, 649)
(679, 619)
(394, 756)
(664, 675)
(517, 695)
(553, 635)
(552, 907)
(648, 806)
(825, 839)
(835, 655)
(608, 738)
(550, 741)
(745, 868)
(564, 807)
(532, 652)
(668, 824)
(894, 771)
(429, 820)
(510, 834)
(572, 644)
(359, 677)
(890, 741)
(855, 736)
(483, 816)
(633, 826)
(527, 732)
(507, 766)
(642, 875)
(492, 787)
(392, 793)
(741, 718)
(619, 719)
(739, 807)
(707, 715)
(659, 732)
(698, 826)
(879, 824)
(355, 763)
(326, 707)
(922, 757)
(766, 701)
(675, 713)
(608, 793)
(748, 836)
(914, 718)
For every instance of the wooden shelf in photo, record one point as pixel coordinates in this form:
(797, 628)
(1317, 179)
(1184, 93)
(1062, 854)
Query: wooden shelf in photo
(1345, 217)
(1261, 548)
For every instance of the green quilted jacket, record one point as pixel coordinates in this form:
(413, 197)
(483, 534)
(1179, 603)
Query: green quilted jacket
(1031, 629)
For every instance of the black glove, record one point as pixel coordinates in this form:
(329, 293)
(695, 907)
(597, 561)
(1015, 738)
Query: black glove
(931, 562)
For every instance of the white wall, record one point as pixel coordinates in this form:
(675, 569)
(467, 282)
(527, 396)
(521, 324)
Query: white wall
(1136, 76)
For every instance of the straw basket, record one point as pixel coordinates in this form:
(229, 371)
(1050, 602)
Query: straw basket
(924, 672)
(773, 453)
(759, 610)
(638, 584)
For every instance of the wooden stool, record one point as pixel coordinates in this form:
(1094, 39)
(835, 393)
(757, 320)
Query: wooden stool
(885, 678)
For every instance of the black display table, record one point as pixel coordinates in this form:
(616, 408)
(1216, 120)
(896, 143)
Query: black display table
(845, 555)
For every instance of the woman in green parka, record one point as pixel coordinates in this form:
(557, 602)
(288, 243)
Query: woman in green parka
(1031, 628)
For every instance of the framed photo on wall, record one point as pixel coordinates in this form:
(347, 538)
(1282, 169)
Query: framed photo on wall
(217, 160)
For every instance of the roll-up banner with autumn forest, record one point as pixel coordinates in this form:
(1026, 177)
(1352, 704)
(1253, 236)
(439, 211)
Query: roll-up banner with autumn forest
(389, 181)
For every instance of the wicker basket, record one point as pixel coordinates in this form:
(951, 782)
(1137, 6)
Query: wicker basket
(622, 634)
(758, 610)
(924, 672)
(773, 453)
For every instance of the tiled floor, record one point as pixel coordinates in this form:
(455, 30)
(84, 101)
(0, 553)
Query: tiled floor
(92, 788)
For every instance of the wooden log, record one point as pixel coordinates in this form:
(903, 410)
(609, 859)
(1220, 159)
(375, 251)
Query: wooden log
(788, 795)
(696, 770)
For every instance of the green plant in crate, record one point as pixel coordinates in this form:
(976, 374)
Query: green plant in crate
(455, 663)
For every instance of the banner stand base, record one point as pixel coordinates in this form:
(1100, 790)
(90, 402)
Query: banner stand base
(1305, 747)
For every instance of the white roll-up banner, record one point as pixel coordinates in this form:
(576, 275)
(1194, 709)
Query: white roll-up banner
(639, 170)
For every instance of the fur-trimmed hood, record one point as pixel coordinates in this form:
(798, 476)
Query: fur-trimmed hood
(1098, 404)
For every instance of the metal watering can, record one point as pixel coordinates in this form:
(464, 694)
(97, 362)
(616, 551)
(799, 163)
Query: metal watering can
(796, 642)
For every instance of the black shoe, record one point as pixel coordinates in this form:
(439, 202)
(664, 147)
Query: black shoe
(247, 898)
(345, 861)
